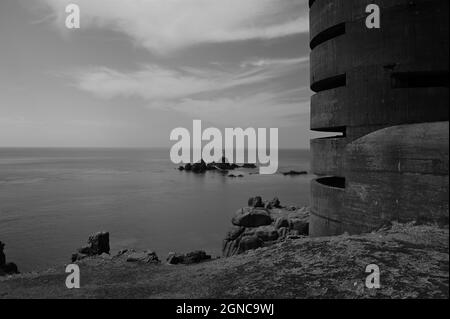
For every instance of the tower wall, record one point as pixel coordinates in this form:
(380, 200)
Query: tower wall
(385, 94)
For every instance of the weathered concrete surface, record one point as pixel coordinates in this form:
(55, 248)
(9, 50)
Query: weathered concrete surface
(386, 92)
(397, 173)
(413, 261)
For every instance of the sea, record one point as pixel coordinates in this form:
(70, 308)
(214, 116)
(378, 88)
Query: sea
(52, 199)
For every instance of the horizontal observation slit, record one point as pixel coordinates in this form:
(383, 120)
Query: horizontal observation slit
(421, 79)
(328, 34)
(340, 131)
(329, 83)
(332, 181)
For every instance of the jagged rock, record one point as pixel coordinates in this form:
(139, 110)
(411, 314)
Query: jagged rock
(263, 226)
(188, 167)
(255, 202)
(97, 244)
(232, 175)
(2, 254)
(249, 165)
(194, 257)
(147, 257)
(6, 268)
(181, 168)
(251, 217)
(174, 258)
(274, 203)
(199, 167)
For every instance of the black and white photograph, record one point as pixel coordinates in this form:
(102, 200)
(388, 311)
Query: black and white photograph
(222, 156)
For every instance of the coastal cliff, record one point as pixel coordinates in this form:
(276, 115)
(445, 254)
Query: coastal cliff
(413, 262)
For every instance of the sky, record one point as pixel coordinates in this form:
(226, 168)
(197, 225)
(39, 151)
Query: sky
(137, 69)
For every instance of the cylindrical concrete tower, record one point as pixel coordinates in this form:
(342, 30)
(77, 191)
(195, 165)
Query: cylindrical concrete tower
(385, 93)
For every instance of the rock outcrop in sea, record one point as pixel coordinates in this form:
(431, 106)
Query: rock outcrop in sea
(262, 224)
(6, 268)
(224, 166)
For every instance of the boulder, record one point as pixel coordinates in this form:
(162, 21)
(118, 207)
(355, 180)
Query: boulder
(174, 258)
(266, 233)
(188, 167)
(6, 268)
(255, 202)
(10, 268)
(251, 217)
(249, 165)
(2, 254)
(146, 257)
(98, 244)
(234, 232)
(194, 257)
(274, 203)
(248, 243)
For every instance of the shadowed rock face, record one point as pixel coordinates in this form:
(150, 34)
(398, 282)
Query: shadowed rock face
(2, 255)
(6, 268)
(97, 244)
(263, 224)
(251, 217)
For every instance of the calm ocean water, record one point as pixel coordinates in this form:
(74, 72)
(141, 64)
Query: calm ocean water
(52, 199)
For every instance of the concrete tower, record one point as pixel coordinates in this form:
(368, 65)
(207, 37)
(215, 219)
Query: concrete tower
(385, 94)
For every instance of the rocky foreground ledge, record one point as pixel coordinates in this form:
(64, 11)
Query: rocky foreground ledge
(413, 261)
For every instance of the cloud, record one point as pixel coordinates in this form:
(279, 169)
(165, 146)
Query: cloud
(154, 82)
(265, 109)
(250, 90)
(163, 26)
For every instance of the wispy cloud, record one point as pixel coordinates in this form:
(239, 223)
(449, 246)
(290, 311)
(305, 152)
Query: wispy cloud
(215, 95)
(162, 26)
(153, 82)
